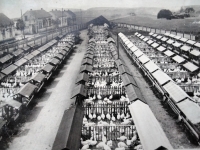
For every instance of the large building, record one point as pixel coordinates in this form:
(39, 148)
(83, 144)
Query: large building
(37, 21)
(6, 27)
(62, 18)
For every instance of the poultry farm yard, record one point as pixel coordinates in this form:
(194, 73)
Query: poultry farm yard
(44, 116)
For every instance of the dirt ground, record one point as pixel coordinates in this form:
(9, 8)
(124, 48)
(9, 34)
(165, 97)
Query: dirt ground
(42, 123)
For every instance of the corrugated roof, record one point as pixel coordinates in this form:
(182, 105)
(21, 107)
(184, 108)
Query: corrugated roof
(4, 20)
(176, 44)
(183, 39)
(195, 52)
(151, 66)
(6, 58)
(164, 39)
(143, 59)
(150, 42)
(79, 90)
(39, 77)
(127, 79)
(59, 56)
(154, 35)
(138, 53)
(54, 61)
(87, 68)
(127, 42)
(197, 44)
(178, 59)
(134, 48)
(87, 61)
(159, 37)
(145, 39)
(9, 69)
(17, 52)
(82, 77)
(71, 122)
(151, 33)
(48, 68)
(154, 45)
(175, 92)
(29, 56)
(191, 42)
(170, 41)
(20, 62)
(130, 45)
(169, 53)
(190, 66)
(152, 135)
(191, 110)
(134, 93)
(123, 69)
(27, 90)
(161, 48)
(185, 48)
(177, 37)
(161, 77)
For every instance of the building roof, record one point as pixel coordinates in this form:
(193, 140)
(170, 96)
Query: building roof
(59, 13)
(71, 13)
(99, 21)
(40, 13)
(4, 20)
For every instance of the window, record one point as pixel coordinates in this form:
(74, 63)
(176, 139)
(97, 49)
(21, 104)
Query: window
(3, 33)
(26, 18)
(10, 31)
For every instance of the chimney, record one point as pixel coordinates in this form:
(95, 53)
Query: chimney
(41, 9)
(52, 9)
(30, 9)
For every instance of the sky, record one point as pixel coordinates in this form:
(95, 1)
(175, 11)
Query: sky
(12, 8)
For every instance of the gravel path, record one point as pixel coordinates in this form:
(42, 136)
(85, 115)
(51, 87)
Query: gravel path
(39, 132)
(173, 130)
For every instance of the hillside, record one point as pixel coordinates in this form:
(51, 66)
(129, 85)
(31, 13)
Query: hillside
(107, 12)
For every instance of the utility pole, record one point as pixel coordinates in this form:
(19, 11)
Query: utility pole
(62, 21)
(118, 45)
(22, 21)
(81, 16)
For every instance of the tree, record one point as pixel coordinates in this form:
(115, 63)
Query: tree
(164, 13)
(20, 25)
(56, 22)
(189, 10)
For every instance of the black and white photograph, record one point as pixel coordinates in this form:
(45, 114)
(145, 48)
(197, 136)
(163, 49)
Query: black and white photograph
(99, 75)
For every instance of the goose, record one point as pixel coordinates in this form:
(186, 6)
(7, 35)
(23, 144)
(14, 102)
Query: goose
(122, 138)
(122, 116)
(108, 116)
(122, 144)
(100, 145)
(94, 115)
(84, 142)
(113, 118)
(99, 118)
(102, 115)
(85, 147)
(84, 119)
(106, 147)
(118, 116)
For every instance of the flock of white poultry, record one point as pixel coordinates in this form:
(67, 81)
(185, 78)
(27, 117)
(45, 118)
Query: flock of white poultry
(25, 72)
(103, 121)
